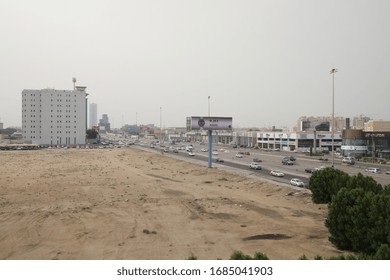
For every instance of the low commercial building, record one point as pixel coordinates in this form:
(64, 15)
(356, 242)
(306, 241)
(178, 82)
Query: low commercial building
(299, 141)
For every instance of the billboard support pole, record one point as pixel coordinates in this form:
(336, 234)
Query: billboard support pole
(210, 132)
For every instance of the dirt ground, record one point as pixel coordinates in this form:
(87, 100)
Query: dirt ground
(132, 204)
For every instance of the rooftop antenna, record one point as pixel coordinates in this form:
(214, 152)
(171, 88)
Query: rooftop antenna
(74, 83)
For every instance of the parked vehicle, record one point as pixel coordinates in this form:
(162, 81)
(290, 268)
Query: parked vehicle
(257, 160)
(297, 182)
(277, 173)
(238, 155)
(219, 160)
(255, 165)
(309, 170)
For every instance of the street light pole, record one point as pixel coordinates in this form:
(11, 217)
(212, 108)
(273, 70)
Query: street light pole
(209, 105)
(160, 125)
(334, 70)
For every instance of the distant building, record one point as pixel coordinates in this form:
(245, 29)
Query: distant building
(382, 126)
(54, 117)
(359, 121)
(104, 123)
(93, 119)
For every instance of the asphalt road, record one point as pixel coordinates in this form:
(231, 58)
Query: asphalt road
(272, 160)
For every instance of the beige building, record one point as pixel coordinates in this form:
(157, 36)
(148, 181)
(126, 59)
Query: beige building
(379, 125)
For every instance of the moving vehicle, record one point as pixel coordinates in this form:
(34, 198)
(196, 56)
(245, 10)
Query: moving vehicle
(238, 155)
(255, 165)
(297, 182)
(373, 170)
(219, 160)
(320, 168)
(191, 154)
(287, 161)
(277, 173)
(257, 160)
(348, 160)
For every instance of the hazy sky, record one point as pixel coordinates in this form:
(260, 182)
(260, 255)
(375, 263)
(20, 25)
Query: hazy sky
(263, 63)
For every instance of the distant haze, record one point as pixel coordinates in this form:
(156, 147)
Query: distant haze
(263, 63)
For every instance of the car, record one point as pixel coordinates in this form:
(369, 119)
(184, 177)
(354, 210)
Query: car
(297, 182)
(373, 170)
(255, 165)
(219, 160)
(215, 153)
(323, 159)
(309, 170)
(277, 173)
(257, 160)
(287, 161)
(387, 172)
(203, 150)
(348, 160)
(191, 154)
(320, 168)
(238, 155)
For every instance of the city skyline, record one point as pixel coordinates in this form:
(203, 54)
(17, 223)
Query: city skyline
(263, 63)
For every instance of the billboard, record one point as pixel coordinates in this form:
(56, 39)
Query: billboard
(315, 125)
(209, 123)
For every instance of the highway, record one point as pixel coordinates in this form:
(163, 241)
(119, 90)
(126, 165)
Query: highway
(272, 160)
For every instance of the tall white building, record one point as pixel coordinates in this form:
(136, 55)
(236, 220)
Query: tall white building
(93, 119)
(54, 117)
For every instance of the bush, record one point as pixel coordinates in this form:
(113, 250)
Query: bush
(238, 255)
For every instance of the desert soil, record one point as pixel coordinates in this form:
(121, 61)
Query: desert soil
(133, 204)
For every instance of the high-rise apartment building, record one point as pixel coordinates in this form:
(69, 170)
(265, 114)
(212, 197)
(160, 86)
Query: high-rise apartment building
(93, 117)
(54, 117)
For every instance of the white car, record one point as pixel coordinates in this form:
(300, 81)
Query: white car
(238, 155)
(320, 168)
(297, 182)
(277, 173)
(215, 153)
(255, 165)
(191, 154)
(373, 170)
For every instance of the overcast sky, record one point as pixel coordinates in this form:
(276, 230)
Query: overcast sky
(263, 63)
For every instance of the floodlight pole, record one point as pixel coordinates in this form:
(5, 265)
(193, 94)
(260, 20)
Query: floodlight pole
(334, 70)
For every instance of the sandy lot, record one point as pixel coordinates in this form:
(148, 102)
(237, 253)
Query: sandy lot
(131, 204)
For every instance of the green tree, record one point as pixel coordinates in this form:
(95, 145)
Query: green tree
(359, 220)
(91, 134)
(326, 183)
(365, 182)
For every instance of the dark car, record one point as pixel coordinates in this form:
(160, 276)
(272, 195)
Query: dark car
(257, 160)
(287, 161)
(309, 170)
